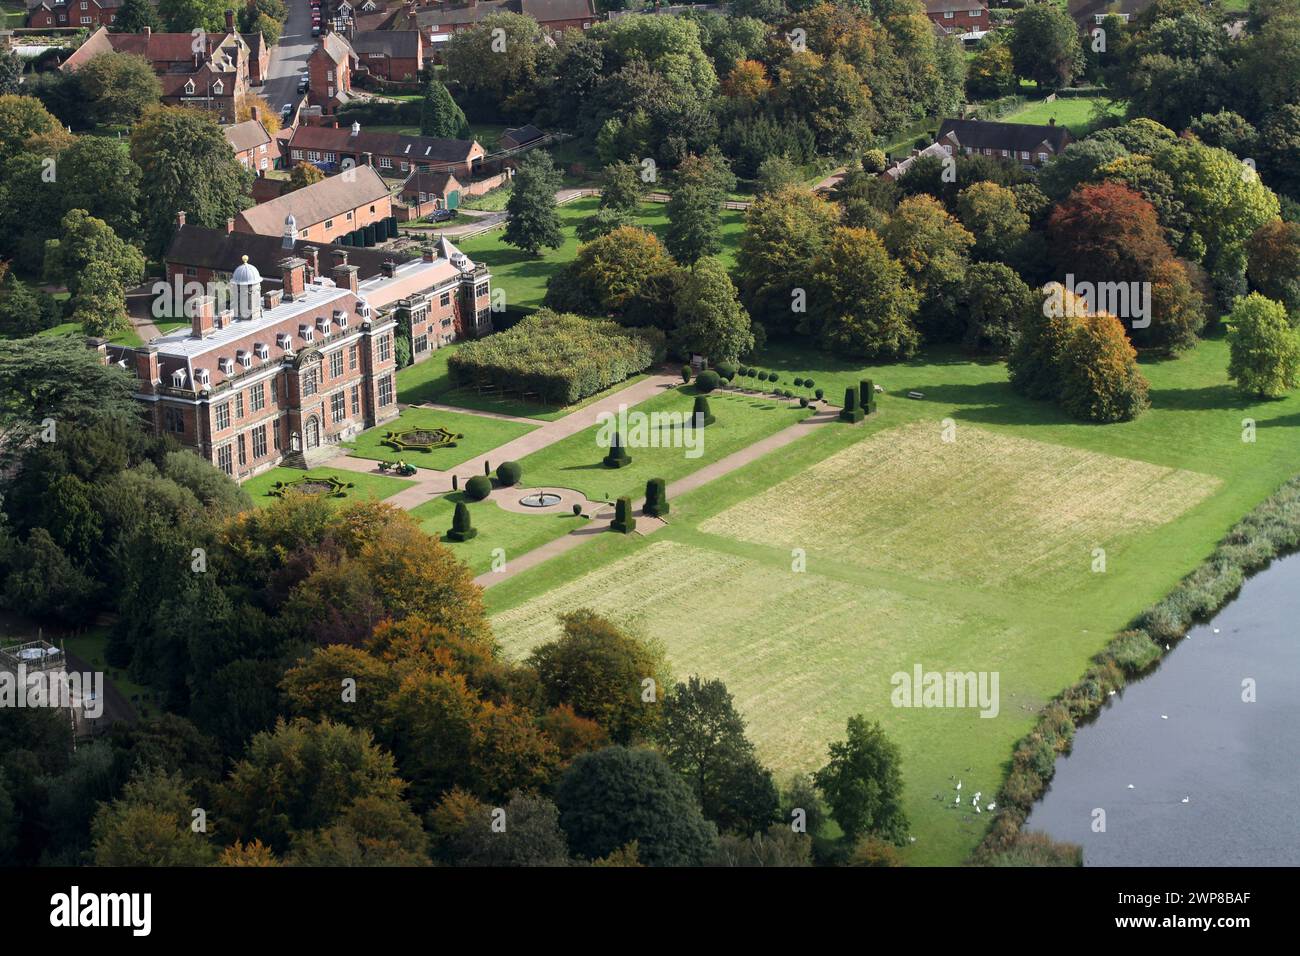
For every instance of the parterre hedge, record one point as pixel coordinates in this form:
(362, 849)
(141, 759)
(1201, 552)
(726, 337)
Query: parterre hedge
(560, 357)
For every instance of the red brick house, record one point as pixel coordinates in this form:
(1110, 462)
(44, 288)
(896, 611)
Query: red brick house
(1090, 13)
(427, 191)
(72, 13)
(555, 16)
(389, 54)
(252, 144)
(273, 377)
(324, 211)
(207, 71)
(329, 68)
(392, 154)
(278, 376)
(959, 16)
(1026, 144)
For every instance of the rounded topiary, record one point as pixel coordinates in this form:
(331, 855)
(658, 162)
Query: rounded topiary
(803, 401)
(700, 414)
(808, 383)
(707, 381)
(462, 529)
(509, 473)
(478, 487)
(744, 371)
(624, 520)
(617, 456)
(686, 373)
(725, 369)
(577, 511)
(751, 373)
(798, 383)
(656, 498)
(820, 394)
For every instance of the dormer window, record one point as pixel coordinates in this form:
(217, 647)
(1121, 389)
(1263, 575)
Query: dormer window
(201, 377)
(262, 351)
(178, 378)
(323, 324)
(189, 87)
(284, 340)
(226, 365)
(341, 318)
(218, 88)
(306, 332)
(363, 310)
(245, 358)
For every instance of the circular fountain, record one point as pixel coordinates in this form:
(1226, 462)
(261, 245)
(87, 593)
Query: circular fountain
(540, 499)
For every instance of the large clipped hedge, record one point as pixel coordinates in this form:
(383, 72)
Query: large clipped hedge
(561, 357)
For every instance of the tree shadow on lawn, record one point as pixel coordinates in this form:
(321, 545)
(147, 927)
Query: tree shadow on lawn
(1205, 399)
(990, 403)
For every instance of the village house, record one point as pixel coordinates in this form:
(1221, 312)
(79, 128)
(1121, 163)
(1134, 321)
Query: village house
(1029, 145)
(899, 169)
(555, 16)
(521, 137)
(324, 211)
(329, 72)
(279, 376)
(205, 71)
(1089, 14)
(959, 16)
(332, 148)
(71, 13)
(252, 144)
(389, 54)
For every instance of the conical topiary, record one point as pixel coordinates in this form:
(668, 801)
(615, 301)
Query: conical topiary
(656, 498)
(455, 483)
(618, 456)
(462, 529)
(700, 414)
(624, 520)
(851, 412)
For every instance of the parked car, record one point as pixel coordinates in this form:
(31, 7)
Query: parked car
(304, 83)
(315, 30)
(442, 215)
(286, 111)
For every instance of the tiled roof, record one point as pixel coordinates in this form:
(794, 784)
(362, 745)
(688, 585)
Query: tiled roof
(247, 135)
(221, 251)
(396, 43)
(981, 134)
(332, 196)
(418, 148)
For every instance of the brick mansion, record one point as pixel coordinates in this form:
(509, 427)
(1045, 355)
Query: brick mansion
(281, 375)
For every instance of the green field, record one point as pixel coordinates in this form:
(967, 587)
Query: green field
(430, 382)
(1078, 113)
(368, 487)
(481, 435)
(524, 277)
(576, 462)
(977, 554)
(514, 533)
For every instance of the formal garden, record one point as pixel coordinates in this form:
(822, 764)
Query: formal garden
(329, 484)
(435, 438)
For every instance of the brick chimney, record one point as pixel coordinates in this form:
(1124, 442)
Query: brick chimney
(345, 276)
(271, 298)
(312, 255)
(202, 316)
(146, 367)
(340, 256)
(230, 21)
(293, 277)
(389, 268)
(180, 218)
(230, 226)
(255, 113)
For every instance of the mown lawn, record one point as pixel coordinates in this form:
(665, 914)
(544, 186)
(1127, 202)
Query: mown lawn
(977, 554)
(1078, 113)
(577, 461)
(515, 534)
(366, 487)
(480, 435)
(430, 382)
(524, 277)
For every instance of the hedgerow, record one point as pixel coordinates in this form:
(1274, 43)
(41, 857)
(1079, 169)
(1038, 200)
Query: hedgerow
(562, 358)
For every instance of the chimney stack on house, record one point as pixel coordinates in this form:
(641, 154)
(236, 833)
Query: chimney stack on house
(202, 316)
(230, 225)
(180, 218)
(345, 276)
(293, 277)
(312, 255)
(340, 257)
(271, 298)
(389, 268)
(230, 21)
(146, 367)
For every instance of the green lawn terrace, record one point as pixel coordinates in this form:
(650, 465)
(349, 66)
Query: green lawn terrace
(502, 535)
(524, 277)
(430, 381)
(577, 461)
(972, 556)
(365, 487)
(477, 434)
